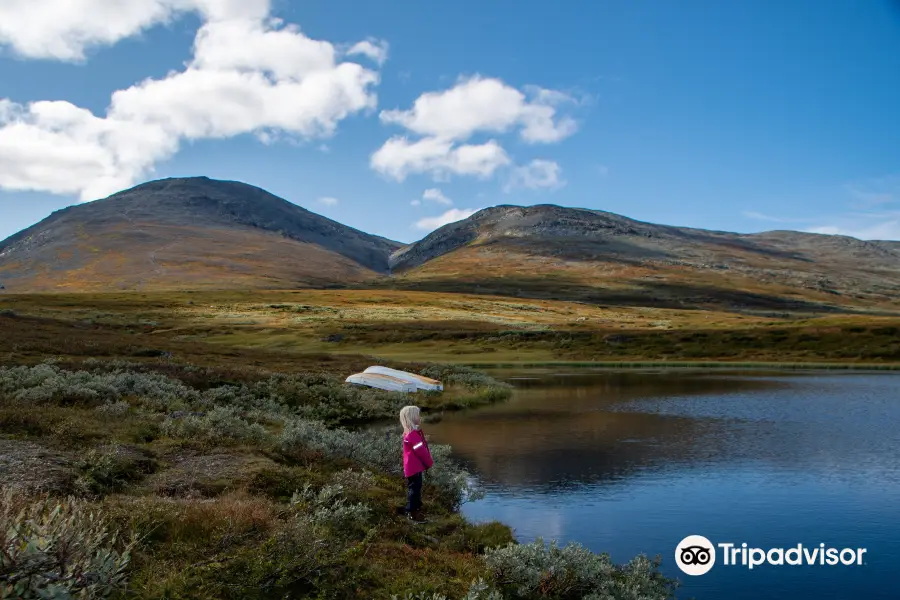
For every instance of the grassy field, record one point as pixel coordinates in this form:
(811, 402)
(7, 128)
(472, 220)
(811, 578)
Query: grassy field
(213, 431)
(337, 329)
(177, 446)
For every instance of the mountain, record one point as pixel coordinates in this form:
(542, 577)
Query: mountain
(189, 233)
(551, 251)
(199, 233)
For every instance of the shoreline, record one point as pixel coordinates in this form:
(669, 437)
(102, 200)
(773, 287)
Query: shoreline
(703, 365)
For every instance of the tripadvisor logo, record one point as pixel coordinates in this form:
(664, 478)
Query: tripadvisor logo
(696, 555)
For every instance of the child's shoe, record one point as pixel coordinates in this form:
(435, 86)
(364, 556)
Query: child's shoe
(417, 517)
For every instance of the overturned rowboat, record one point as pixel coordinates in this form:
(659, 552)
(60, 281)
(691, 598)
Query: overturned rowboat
(421, 382)
(381, 382)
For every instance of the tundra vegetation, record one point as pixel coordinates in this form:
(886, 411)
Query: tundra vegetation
(156, 479)
(204, 445)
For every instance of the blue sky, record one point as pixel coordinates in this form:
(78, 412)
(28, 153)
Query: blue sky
(394, 117)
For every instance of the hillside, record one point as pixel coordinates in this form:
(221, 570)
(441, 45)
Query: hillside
(188, 233)
(577, 254)
(199, 233)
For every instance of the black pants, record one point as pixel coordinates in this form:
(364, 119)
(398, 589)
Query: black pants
(414, 493)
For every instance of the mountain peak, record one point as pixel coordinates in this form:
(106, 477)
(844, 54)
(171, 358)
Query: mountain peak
(177, 232)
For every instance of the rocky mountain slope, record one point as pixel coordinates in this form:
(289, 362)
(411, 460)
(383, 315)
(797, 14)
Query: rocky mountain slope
(189, 234)
(551, 251)
(199, 233)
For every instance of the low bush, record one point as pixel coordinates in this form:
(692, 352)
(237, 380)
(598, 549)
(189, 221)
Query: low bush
(572, 572)
(221, 424)
(373, 448)
(48, 384)
(114, 409)
(107, 470)
(459, 375)
(330, 508)
(381, 449)
(59, 549)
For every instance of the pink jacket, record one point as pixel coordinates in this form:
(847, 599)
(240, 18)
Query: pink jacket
(416, 456)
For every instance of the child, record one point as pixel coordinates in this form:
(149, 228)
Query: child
(416, 460)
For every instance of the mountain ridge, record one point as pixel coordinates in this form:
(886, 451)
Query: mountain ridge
(182, 233)
(596, 255)
(189, 231)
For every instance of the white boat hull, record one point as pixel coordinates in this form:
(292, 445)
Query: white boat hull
(381, 382)
(421, 383)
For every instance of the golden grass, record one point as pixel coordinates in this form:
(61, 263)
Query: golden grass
(285, 328)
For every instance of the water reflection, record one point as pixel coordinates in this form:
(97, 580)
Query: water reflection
(632, 462)
(564, 431)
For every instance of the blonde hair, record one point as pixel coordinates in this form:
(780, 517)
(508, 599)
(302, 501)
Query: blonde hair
(409, 417)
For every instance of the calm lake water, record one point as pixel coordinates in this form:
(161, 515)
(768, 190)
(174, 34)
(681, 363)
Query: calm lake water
(633, 462)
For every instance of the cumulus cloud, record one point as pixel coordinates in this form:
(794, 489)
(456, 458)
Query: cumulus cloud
(65, 29)
(399, 157)
(248, 74)
(436, 195)
(482, 104)
(446, 120)
(377, 50)
(535, 175)
(328, 201)
(451, 216)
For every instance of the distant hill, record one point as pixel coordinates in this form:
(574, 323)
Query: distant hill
(551, 251)
(189, 233)
(199, 233)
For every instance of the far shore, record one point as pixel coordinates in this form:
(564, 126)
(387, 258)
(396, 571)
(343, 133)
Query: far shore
(737, 366)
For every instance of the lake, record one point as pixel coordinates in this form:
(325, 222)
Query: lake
(633, 462)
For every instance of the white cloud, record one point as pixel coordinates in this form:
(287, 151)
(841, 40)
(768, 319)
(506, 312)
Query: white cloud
(415, 203)
(248, 74)
(487, 105)
(376, 50)
(65, 29)
(398, 158)
(536, 175)
(873, 214)
(446, 120)
(436, 195)
(875, 191)
(451, 216)
(328, 201)
(750, 214)
(884, 226)
(60, 148)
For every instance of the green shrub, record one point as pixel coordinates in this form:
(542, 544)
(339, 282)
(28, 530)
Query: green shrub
(381, 449)
(532, 571)
(372, 448)
(114, 409)
(59, 549)
(459, 375)
(312, 396)
(222, 423)
(48, 384)
(107, 470)
(477, 538)
(353, 483)
(330, 508)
